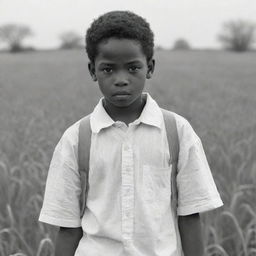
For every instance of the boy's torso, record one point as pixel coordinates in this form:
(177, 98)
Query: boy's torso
(128, 203)
(129, 197)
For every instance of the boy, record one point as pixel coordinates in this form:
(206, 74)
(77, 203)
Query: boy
(128, 208)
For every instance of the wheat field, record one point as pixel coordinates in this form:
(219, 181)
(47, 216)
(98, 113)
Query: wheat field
(42, 93)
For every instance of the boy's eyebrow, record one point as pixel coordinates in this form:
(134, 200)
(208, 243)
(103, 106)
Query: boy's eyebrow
(134, 62)
(110, 63)
(106, 64)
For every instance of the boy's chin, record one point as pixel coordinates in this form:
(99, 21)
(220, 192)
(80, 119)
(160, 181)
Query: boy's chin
(122, 104)
(120, 101)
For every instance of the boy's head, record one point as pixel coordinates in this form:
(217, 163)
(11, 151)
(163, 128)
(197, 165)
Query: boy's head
(121, 25)
(120, 48)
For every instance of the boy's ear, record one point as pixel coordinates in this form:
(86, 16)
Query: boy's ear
(91, 68)
(151, 68)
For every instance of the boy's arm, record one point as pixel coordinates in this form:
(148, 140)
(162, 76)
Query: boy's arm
(67, 241)
(191, 235)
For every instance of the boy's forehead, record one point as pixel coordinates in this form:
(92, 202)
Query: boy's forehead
(115, 49)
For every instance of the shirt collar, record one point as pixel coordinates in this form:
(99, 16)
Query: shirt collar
(150, 115)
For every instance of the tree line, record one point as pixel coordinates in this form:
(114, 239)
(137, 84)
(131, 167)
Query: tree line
(13, 36)
(236, 35)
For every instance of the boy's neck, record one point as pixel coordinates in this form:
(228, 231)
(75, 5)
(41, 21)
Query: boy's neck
(126, 114)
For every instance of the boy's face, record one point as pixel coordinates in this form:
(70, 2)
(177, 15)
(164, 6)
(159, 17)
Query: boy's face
(121, 69)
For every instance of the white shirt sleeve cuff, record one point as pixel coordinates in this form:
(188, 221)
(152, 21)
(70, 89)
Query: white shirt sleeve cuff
(199, 207)
(60, 222)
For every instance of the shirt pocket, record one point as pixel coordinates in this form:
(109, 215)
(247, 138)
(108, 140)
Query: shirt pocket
(157, 188)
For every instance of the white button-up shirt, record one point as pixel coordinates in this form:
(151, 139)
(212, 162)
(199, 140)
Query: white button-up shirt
(128, 205)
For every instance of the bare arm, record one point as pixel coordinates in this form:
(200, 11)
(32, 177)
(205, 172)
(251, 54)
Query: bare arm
(191, 235)
(67, 241)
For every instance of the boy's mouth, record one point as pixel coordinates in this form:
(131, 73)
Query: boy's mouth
(121, 95)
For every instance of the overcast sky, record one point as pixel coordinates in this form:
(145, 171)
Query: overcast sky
(198, 21)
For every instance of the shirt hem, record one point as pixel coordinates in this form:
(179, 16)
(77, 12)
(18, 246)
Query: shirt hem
(59, 222)
(196, 208)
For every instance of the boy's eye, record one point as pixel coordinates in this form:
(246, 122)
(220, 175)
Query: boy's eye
(107, 70)
(134, 69)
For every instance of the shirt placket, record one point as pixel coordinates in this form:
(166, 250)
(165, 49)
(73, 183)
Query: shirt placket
(127, 191)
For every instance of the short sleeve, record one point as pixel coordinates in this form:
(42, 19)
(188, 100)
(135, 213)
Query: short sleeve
(197, 191)
(61, 199)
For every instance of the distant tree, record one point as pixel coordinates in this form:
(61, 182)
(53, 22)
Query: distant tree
(237, 35)
(13, 35)
(181, 44)
(70, 40)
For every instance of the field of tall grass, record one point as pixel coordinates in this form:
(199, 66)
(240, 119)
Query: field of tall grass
(42, 93)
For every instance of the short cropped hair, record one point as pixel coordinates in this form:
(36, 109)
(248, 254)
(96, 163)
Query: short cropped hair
(121, 25)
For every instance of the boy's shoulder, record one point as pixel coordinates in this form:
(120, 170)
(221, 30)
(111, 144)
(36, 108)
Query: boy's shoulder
(71, 133)
(181, 121)
(184, 128)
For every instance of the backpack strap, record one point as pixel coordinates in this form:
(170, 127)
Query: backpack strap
(173, 142)
(84, 145)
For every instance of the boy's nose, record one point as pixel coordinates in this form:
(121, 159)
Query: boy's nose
(121, 80)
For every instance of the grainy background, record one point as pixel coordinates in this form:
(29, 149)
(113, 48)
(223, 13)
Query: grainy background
(43, 92)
